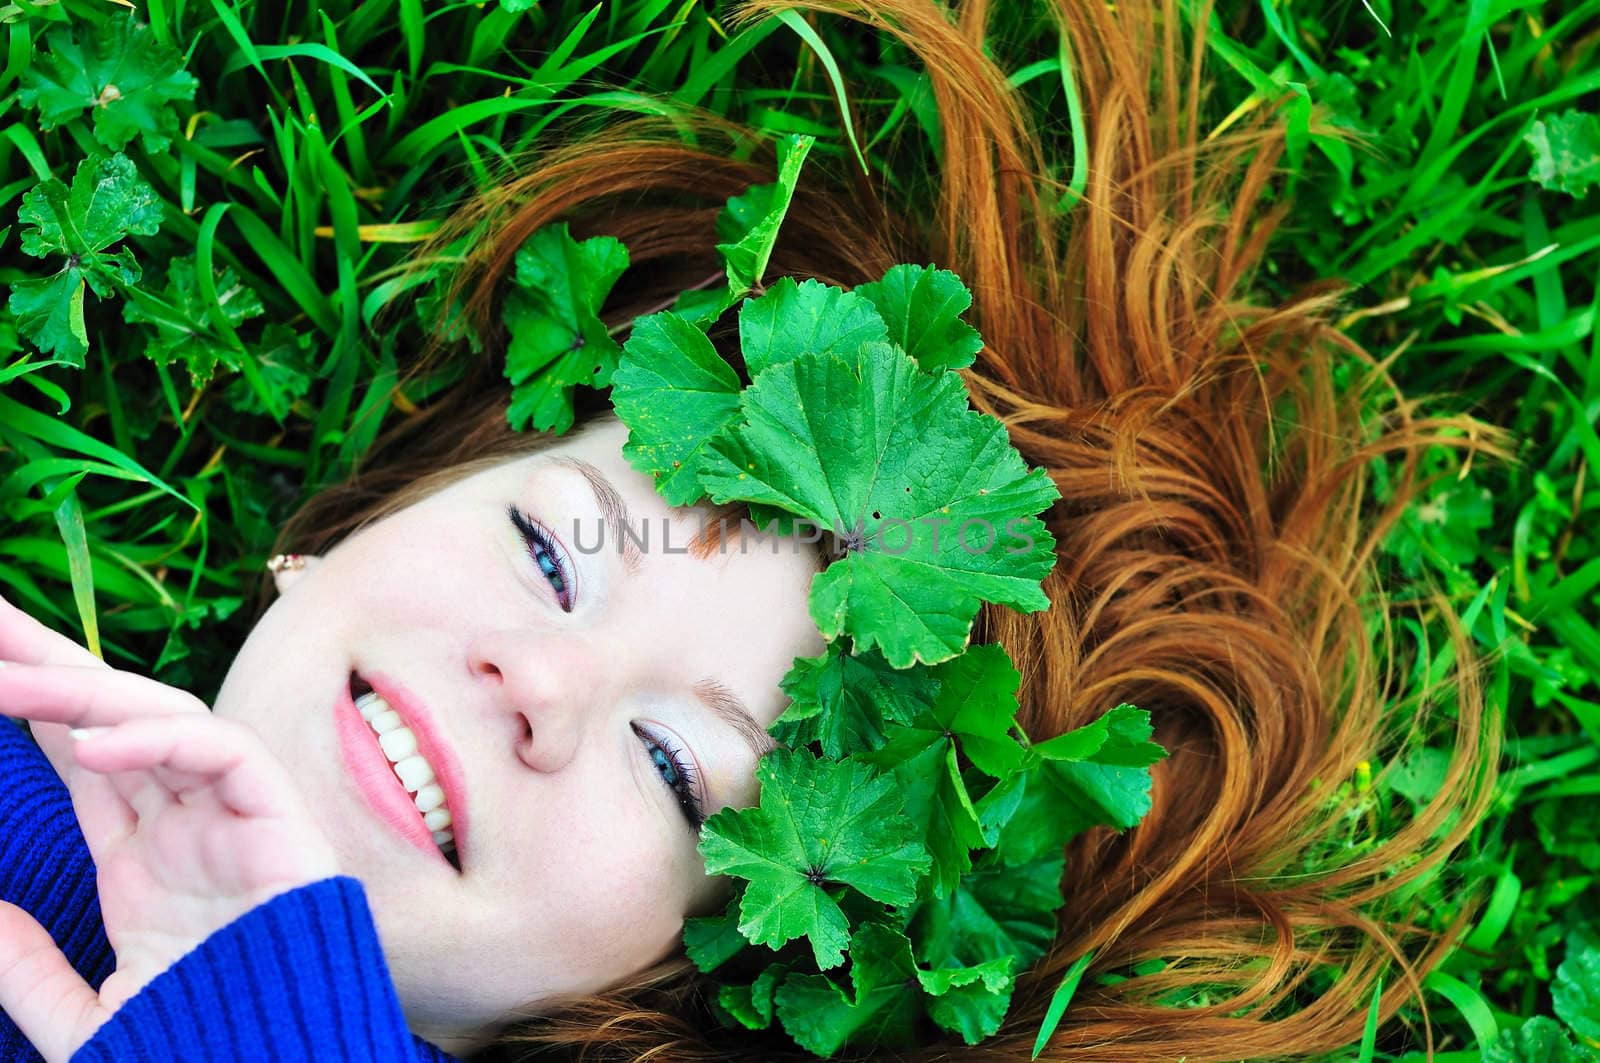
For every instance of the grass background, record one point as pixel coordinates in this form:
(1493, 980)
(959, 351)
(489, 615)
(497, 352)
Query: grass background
(309, 145)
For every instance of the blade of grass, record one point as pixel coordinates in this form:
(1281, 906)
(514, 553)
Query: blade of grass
(1470, 1003)
(1059, 1000)
(815, 42)
(75, 538)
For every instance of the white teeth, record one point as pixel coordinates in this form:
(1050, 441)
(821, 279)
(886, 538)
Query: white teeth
(414, 772)
(399, 744)
(429, 798)
(386, 721)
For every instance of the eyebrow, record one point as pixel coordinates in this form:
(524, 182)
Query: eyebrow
(726, 704)
(612, 508)
(718, 698)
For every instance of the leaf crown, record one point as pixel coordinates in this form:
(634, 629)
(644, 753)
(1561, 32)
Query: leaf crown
(904, 863)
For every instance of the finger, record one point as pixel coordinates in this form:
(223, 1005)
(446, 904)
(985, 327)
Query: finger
(24, 639)
(49, 1001)
(87, 697)
(188, 754)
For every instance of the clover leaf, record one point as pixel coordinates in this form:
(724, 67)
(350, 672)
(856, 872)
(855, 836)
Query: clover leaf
(557, 340)
(106, 202)
(119, 69)
(820, 823)
(922, 307)
(894, 457)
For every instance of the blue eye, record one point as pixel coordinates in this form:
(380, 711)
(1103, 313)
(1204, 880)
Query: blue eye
(552, 562)
(673, 766)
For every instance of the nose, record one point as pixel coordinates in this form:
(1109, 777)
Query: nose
(543, 686)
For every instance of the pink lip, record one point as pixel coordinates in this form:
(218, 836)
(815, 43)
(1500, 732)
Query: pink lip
(376, 780)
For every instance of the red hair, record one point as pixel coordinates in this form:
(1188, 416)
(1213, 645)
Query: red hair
(1216, 531)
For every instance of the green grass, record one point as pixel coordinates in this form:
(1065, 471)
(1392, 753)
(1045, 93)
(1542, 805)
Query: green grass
(141, 487)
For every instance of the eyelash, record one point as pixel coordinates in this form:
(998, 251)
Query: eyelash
(683, 789)
(539, 540)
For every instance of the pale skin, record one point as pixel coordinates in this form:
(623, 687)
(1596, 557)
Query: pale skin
(555, 691)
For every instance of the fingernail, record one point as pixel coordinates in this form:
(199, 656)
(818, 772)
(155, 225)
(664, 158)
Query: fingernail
(80, 733)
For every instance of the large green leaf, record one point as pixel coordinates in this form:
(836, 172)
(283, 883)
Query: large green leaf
(931, 499)
(819, 824)
(115, 67)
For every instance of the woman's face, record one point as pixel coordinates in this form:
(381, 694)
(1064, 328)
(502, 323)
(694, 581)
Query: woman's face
(550, 691)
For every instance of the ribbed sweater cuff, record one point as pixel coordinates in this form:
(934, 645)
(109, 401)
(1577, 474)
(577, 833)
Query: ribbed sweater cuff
(44, 864)
(300, 978)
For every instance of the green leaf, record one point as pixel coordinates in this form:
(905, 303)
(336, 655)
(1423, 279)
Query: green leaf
(805, 318)
(673, 391)
(1576, 990)
(1539, 1040)
(712, 941)
(922, 307)
(819, 823)
(1061, 797)
(702, 306)
(845, 700)
(881, 1011)
(1121, 737)
(753, 1005)
(1566, 152)
(971, 1001)
(1060, 801)
(994, 911)
(556, 338)
(748, 225)
(973, 714)
(118, 68)
(277, 372)
(106, 202)
(181, 332)
(50, 313)
(872, 447)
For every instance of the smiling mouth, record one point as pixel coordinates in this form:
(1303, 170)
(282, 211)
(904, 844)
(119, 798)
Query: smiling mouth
(411, 769)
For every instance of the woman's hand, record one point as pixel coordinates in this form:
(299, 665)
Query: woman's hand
(190, 820)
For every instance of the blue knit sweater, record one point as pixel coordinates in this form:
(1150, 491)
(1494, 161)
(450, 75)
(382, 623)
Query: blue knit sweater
(298, 979)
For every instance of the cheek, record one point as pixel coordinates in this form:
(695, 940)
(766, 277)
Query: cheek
(435, 563)
(615, 901)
